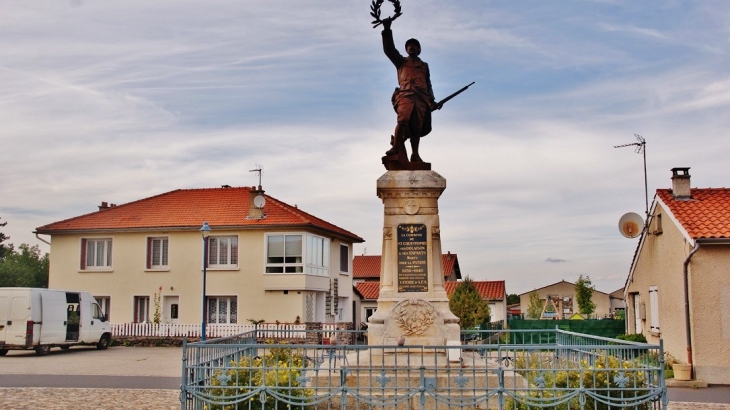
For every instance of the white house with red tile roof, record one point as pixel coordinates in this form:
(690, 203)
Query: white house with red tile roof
(491, 291)
(265, 259)
(678, 287)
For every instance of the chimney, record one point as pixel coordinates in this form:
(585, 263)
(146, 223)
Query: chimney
(104, 205)
(256, 203)
(680, 183)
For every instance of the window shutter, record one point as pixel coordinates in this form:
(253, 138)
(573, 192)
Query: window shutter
(149, 253)
(654, 305)
(83, 254)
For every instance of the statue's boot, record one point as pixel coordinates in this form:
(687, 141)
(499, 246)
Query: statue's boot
(394, 147)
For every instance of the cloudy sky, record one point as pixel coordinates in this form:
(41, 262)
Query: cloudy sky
(118, 100)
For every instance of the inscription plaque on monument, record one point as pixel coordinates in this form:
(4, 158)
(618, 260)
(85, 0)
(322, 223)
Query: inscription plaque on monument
(412, 258)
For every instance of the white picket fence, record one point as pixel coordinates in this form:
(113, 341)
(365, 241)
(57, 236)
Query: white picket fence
(273, 330)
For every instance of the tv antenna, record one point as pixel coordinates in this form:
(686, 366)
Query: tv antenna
(641, 149)
(260, 170)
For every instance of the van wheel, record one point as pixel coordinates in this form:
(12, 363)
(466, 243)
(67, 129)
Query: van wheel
(103, 343)
(42, 350)
(3, 352)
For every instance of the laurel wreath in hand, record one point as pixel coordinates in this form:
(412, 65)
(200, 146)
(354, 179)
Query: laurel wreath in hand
(375, 11)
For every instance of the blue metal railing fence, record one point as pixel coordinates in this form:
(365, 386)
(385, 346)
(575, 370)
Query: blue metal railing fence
(498, 369)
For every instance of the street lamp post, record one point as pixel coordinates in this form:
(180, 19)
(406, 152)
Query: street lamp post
(205, 231)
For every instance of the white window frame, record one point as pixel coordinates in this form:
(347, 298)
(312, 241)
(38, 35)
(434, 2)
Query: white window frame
(344, 251)
(217, 302)
(318, 255)
(230, 249)
(654, 303)
(99, 261)
(313, 258)
(281, 254)
(163, 250)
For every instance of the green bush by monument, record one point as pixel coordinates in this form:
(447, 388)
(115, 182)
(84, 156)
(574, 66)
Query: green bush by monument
(468, 305)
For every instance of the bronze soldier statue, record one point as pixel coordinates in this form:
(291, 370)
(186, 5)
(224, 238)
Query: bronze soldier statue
(413, 100)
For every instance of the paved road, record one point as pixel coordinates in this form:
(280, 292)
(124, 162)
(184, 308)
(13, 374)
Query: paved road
(149, 378)
(115, 361)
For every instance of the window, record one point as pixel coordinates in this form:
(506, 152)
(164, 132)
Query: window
(318, 255)
(223, 251)
(344, 258)
(96, 254)
(157, 253)
(657, 224)
(96, 312)
(654, 302)
(105, 302)
(368, 312)
(141, 309)
(285, 254)
(222, 309)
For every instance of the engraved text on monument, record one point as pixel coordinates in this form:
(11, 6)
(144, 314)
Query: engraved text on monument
(412, 258)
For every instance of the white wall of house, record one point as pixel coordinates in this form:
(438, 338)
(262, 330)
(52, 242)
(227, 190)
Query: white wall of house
(498, 310)
(258, 295)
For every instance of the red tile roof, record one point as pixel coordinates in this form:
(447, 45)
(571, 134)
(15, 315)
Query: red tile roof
(490, 290)
(705, 215)
(368, 290)
(368, 266)
(223, 208)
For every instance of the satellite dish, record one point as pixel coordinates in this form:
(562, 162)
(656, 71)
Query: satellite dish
(630, 225)
(259, 201)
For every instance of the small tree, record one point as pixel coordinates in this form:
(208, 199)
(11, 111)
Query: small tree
(584, 294)
(467, 304)
(513, 299)
(156, 299)
(24, 268)
(534, 309)
(3, 238)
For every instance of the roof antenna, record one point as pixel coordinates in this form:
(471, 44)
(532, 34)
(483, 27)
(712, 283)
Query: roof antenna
(260, 169)
(641, 149)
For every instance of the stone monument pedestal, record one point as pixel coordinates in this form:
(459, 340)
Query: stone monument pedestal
(413, 304)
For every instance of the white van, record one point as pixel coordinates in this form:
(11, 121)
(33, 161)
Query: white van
(45, 318)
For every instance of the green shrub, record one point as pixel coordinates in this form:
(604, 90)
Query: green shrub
(625, 379)
(633, 337)
(279, 367)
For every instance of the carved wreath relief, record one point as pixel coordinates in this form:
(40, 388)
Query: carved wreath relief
(414, 316)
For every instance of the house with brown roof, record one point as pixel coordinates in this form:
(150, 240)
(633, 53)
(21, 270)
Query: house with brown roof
(678, 287)
(491, 291)
(557, 301)
(265, 259)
